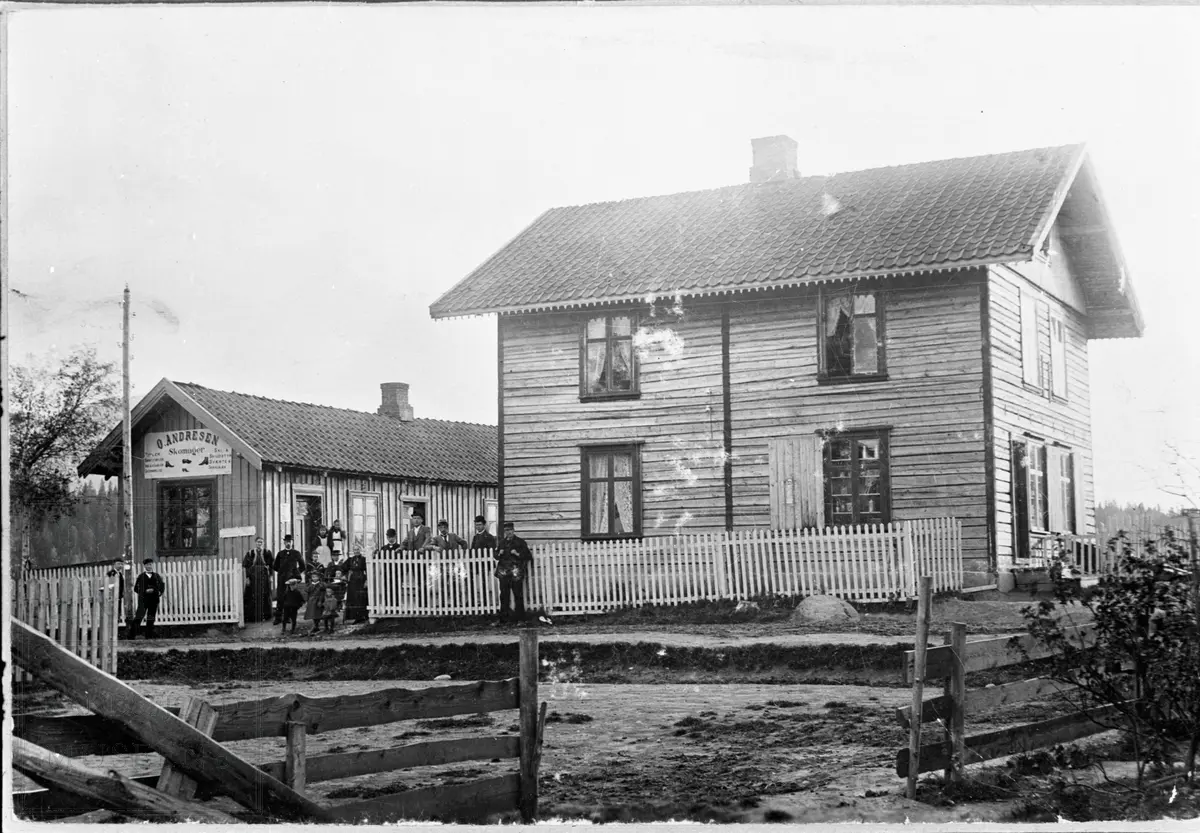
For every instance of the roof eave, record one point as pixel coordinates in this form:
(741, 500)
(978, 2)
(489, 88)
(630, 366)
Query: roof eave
(700, 292)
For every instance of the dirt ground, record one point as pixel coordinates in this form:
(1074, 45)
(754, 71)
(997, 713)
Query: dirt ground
(744, 753)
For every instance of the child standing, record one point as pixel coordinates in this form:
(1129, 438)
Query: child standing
(315, 603)
(293, 600)
(339, 590)
(332, 603)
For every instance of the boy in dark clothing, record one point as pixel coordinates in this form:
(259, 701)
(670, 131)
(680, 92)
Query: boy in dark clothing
(149, 589)
(513, 562)
(293, 600)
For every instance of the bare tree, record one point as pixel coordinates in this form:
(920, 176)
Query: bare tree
(58, 415)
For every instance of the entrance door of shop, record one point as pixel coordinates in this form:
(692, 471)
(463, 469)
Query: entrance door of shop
(308, 520)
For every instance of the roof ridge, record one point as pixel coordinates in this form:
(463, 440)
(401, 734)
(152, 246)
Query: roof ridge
(328, 407)
(737, 186)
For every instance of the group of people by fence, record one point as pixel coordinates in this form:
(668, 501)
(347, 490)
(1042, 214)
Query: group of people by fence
(330, 587)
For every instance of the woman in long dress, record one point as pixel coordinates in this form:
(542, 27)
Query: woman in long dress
(257, 566)
(356, 589)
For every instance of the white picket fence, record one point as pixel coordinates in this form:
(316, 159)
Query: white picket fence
(79, 610)
(868, 563)
(200, 589)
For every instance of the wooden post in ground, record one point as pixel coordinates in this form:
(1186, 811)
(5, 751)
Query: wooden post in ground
(528, 688)
(193, 712)
(295, 761)
(188, 749)
(924, 602)
(956, 690)
(110, 789)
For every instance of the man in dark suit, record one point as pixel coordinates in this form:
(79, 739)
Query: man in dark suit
(513, 560)
(149, 589)
(483, 539)
(289, 563)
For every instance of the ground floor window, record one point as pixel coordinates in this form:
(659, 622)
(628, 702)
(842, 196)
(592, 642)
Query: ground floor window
(611, 491)
(856, 478)
(1045, 484)
(364, 522)
(186, 517)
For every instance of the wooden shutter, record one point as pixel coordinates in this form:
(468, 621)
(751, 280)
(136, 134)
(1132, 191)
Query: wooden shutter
(1054, 488)
(1058, 356)
(1029, 338)
(1081, 507)
(1019, 476)
(797, 482)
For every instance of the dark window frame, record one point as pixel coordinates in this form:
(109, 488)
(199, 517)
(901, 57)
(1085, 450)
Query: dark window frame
(634, 449)
(163, 505)
(828, 466)
(585, 392)
(827, 377)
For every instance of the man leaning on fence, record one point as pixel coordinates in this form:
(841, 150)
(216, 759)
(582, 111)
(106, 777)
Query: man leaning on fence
(149, 589)
(513, 561)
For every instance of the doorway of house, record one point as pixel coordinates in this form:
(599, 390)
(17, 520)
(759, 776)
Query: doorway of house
(308, 520)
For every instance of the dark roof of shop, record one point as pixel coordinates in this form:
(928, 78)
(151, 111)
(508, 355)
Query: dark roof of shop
(337, 439)
(300, 435)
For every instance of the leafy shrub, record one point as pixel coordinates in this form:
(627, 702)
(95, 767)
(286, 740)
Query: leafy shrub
(1145, 659)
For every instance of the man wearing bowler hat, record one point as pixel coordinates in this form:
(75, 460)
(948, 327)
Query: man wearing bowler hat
(289, 563)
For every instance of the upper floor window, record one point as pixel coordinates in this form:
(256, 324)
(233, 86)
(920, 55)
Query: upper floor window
(851, 335)
(856, 469)
(1043, 347)
(612, 491)
(186, 517)
(607, 363)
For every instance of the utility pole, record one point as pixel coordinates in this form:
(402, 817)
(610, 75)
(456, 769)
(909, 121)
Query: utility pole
(127, 462)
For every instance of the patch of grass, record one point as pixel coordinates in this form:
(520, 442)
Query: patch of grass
(569, 717)
(836, 704)
(456, 722)
(784, 704)
(365, 791)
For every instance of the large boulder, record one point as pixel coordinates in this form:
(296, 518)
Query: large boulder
(824, 609)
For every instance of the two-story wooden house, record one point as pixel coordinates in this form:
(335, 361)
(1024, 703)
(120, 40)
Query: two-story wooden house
(887, 344)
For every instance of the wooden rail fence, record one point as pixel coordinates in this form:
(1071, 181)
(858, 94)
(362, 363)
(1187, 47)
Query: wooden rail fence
(869, 563)
(953, 661)
(125, 723)
(81, 611)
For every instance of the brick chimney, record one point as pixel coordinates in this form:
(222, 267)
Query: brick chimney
(395, 401)
(774, 159)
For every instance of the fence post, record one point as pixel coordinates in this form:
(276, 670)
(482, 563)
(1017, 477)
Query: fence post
(528, 691)
(956, 691)
(924, 602)
(909, 557)
(294, 759)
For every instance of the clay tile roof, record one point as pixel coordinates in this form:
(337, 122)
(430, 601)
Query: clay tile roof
(336, 439)
(953, 212)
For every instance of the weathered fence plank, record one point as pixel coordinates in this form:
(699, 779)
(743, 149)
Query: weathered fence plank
(110, 790)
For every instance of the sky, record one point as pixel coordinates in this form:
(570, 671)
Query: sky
(286, 189)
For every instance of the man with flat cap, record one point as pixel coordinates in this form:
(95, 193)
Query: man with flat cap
(289, 563)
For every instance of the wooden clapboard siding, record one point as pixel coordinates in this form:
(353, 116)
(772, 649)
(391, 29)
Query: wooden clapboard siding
(932, 400)
(458, 503)
(1017, 409)
(677, 417)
